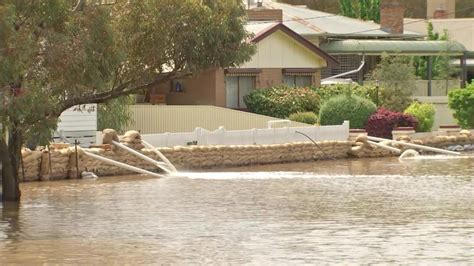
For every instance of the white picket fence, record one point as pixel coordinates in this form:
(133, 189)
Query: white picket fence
(201, 136)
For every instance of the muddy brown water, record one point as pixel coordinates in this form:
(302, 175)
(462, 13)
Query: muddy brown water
(348, 211)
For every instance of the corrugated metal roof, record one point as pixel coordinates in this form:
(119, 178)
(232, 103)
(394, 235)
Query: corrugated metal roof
(257, 28)
(306, 21)
(377, 47)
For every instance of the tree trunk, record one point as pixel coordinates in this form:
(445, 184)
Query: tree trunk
(10, 156)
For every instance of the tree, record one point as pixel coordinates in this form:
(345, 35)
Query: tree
(396, 75)
(441, 67)
(362, 9)
(57, 54)
(115, 114)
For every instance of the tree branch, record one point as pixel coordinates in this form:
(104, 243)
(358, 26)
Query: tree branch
(121, 90)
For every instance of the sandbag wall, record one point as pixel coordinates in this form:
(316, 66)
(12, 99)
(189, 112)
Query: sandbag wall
(362, 149)
(31, 165)
(60, 161)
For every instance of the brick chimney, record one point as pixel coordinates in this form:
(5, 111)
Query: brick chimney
(391, 16)
(264, 14)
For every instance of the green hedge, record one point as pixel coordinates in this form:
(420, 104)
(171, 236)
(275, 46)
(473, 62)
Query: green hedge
(461, 101)
(368, 92)
(346, 107)
(282, 101)
(424, 113)
(304, 117)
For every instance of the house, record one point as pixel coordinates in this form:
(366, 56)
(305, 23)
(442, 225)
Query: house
(441, 14)
(352, 41)
(282, 57)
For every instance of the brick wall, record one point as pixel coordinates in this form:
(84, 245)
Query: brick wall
(269, 77)
(391, 16)
(265, 14)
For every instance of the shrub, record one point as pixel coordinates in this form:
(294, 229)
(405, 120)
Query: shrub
(346, 107)
(282, 101)
(368, 92)
(461, 101)
(395, 99)
(382, 122)
(424, 113)
(304, 117)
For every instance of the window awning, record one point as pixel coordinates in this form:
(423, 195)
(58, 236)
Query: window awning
(298, 71)
(378, 47)
(242, 71)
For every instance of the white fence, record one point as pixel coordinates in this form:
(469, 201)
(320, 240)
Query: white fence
(221, 136)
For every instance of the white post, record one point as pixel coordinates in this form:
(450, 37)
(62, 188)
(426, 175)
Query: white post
(254, 136)
(161, 165)
(98, 137)
(416, 146)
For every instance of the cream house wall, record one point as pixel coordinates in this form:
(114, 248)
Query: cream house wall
(460, 30)
(281, 51)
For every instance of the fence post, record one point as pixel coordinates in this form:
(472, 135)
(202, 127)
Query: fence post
(254, 136)
(77, 158)
(98, 137)
(167, 136)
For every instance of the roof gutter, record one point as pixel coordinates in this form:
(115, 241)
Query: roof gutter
(362, 64)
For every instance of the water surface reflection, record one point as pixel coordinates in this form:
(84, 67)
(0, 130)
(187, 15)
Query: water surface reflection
(353, 211)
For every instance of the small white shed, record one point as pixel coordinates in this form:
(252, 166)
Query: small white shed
(79, 123)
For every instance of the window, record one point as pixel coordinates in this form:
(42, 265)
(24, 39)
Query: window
(298, 77)
(236, 88)
(297, 81)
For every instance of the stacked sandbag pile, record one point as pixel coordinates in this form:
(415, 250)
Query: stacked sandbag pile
(132, 139)
(55, 162)
(196, 157)
(361, 148)
(464, 137)
(31, 165)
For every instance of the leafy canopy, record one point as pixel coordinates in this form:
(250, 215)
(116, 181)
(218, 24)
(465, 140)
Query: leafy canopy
(396, 76)
(56, 54)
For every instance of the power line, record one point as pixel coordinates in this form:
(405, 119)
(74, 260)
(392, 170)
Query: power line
(358, 32)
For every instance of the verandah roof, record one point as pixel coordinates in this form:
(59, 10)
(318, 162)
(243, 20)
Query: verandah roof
(378, 47)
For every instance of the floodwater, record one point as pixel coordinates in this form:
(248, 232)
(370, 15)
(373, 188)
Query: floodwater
(348, 211)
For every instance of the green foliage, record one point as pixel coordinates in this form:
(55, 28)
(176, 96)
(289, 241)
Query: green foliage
(461, 101)
(424, 114)
(367, 92)
(282, 101)
(304, 117)
(362, 9)
(441, 67)
(346, 107)
(396, 76)
(115, 114)
(54, 56)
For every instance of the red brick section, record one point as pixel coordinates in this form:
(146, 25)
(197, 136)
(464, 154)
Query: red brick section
(269, 77)
(391, 16)
(265, 15)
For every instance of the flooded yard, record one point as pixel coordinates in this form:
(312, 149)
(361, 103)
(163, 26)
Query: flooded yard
(347, 211)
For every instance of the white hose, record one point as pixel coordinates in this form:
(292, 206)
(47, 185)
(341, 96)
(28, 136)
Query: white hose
(407, 153)
(380, 145)
(122, 165)
(162, 157)
(416, 146)
(160, 165)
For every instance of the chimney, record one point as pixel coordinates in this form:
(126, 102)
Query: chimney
(391, 16)
(440, 13)
(264, 14)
